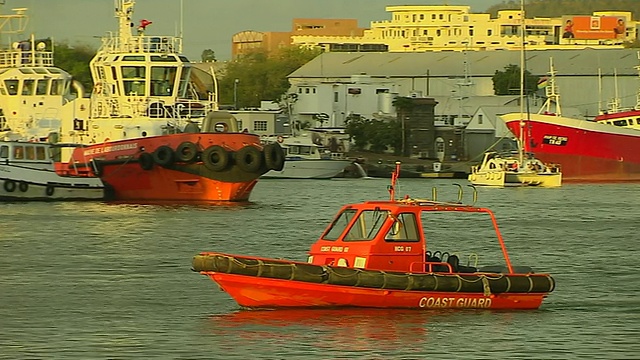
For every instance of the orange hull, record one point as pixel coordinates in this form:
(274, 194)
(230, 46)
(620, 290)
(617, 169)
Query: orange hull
(252, 292)
(187, 167)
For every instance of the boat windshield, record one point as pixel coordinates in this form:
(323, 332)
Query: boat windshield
(339, 224)
(367, 225)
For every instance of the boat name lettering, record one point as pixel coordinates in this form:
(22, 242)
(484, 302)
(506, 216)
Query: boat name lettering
(402, 248)
(555, 140)
(455, 302)
(334, 249)
(106, 149)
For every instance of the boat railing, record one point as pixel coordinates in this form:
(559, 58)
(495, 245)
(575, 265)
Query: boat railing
(26, 58)
(430, 266)
(141, 44)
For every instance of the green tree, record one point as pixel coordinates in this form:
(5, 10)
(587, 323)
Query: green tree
(208, 55)
(374, 135)
(75, 60)
(261, 75)
(507, 82)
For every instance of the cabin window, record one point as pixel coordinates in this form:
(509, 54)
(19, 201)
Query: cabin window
(339, 224)
(57, 86)
(41, 87)
(404, 229)
(367, 225)
(162, 80)
(4, 151)
(12, 86)
(41, 153)
(30, 153)
(18, 152)
(638, 121)
(27, 87)
(134, 80)
(622, 122)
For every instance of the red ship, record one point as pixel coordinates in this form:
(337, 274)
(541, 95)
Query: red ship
(152, 128)
(605, 149)
(376, 254)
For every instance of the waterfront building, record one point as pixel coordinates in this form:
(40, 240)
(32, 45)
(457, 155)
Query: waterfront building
(419, 28)
(249, 40)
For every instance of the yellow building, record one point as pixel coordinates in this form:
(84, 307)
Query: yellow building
(418, 28)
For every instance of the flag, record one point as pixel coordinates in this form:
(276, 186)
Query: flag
(542, 83)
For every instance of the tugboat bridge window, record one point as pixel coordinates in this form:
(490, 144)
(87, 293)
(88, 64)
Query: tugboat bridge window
(134, 80)
(41, 87)
(12, 86)
(162, 80)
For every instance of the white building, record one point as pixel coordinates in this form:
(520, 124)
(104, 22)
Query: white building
(339, 84)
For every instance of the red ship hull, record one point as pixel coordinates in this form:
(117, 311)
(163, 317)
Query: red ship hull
(252, 292)
(587, 151)
(188, 167)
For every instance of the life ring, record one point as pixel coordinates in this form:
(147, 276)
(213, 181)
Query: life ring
(164, 155)
(216, 158)
(50, 190)
(186, 152)
(23, 186)
(280, 139)
(146, 161)
(249, 158)
(274, 157)
(9, 186)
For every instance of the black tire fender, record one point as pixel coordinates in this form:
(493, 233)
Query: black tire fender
(23, 186)
(249, 158)
(9, 186)
(216, 158)
(186, 152)
(146, 161)
(274, 157)
(50, 190)
(164, 156)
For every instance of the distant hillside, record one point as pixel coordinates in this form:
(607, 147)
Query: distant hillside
(557, 8)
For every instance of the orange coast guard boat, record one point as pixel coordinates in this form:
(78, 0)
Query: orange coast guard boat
(152, 128)
(375, 254)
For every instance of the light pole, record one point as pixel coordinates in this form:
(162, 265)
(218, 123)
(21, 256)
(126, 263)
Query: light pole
(235, 94)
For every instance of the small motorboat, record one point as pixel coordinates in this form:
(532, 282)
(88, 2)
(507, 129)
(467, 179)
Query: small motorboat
(376, 254)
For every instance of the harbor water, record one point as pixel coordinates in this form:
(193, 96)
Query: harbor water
(114, 281)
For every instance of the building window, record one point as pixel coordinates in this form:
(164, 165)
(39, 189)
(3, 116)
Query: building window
(306, 90)
(260, 125)
(335, 96)
(479, 119)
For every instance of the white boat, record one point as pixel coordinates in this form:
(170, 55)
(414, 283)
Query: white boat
(305, 159)
(28, 172)
(522, 169)
(498, 170)
(32, 92)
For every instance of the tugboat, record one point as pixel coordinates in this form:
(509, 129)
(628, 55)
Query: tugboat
(153, 129)
(32, 91)
(376, 254)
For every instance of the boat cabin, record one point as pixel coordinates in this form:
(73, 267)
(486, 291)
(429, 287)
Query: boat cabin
(392, 236)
